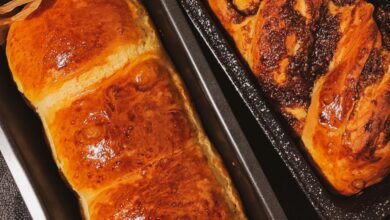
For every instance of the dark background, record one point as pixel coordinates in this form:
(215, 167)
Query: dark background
(11, 203)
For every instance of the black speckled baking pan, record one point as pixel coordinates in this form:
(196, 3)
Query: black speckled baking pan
(373, 203)
(23, 145)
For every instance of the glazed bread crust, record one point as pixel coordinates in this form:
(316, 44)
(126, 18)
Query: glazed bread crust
(325, 66)
(118, 119)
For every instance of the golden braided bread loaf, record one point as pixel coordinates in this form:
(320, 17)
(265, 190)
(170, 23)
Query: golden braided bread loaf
(325, 65)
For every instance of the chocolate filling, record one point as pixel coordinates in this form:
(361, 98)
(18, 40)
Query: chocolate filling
(382, 17)
(238, 15)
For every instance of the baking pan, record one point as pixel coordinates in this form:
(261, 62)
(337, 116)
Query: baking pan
(373, 203)
(46, 194)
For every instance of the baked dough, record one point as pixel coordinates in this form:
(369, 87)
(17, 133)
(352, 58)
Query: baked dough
(325, 65)
(118, 119)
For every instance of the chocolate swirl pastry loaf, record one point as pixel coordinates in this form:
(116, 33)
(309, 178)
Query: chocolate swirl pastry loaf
(325, 65)
(118, 119)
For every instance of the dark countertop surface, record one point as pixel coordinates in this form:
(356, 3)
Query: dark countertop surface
(11, 203)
